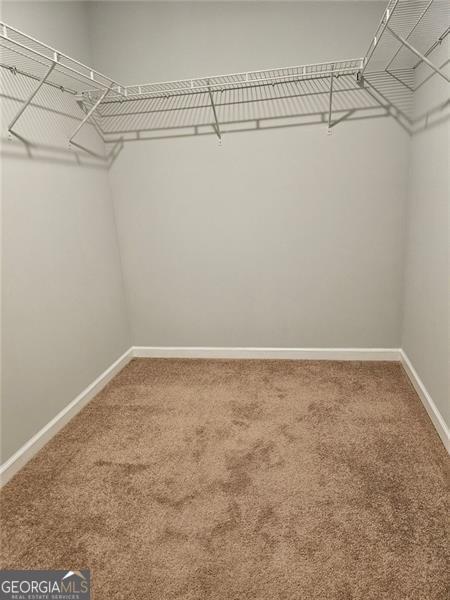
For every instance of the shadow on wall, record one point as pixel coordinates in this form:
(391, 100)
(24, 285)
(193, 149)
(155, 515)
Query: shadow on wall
(46, 126)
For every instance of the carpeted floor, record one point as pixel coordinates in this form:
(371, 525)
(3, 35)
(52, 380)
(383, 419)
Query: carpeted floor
(239, 480)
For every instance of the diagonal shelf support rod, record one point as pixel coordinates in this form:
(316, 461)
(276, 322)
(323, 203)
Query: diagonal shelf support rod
(330, 103)
(28, 101)
(89, 114)
(417, 53)
(419, 20)
(86, 119)
(433, 46)
(217, 128)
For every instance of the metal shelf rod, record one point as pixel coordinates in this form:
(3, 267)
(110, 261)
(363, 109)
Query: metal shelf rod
(213, 106)
(417, 53)
(85, 120)
(330, 106)
(28, 101)
(17, 71)
(433, 46)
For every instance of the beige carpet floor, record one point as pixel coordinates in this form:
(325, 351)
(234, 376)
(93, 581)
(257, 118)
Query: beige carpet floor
(239, 480)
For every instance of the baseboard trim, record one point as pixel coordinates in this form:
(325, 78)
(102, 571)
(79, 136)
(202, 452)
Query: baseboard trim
(11, 466)
(427, 401)
(388, 354)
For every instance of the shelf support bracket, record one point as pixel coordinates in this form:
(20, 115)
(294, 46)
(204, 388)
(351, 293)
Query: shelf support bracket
(433, 46)
(330, 104)
(423, 58)
(27, 103)
(85, 120)
(213, 106)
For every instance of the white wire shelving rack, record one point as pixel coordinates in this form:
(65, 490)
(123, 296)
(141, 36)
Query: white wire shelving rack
(24, 55)
(407, 35)
(405, 38)
(236, 80)
(408, 32)
(214, 86)
(29, 54)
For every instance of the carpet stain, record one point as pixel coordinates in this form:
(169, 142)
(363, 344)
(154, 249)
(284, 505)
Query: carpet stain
(241, 480)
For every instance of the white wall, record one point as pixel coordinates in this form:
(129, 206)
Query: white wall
(63, 310)
(285, 237)
(426, 334)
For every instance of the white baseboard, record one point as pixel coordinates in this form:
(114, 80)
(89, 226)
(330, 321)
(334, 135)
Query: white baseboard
(10, 467)
(390, 354)
(427, 401)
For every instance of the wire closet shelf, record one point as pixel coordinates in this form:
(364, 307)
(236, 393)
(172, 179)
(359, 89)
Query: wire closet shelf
(234, 80)
(406, 36)
(21, 53)
(409, 30)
